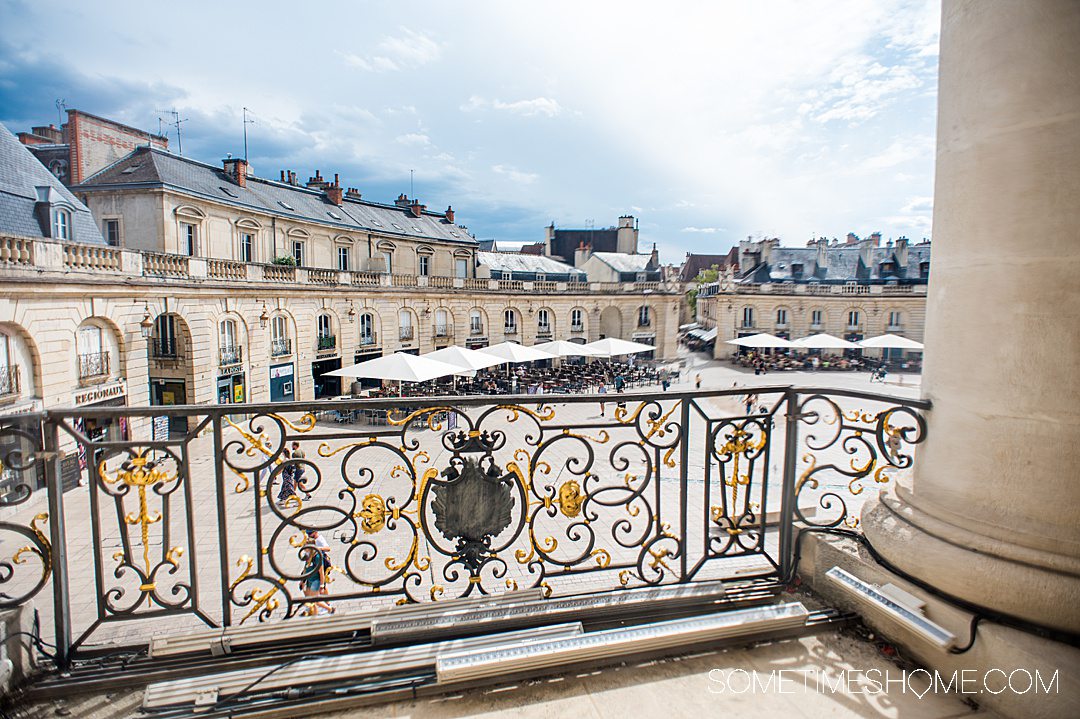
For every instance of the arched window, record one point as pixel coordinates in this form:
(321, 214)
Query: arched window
(781, 317)
(476, 322)
(9, 371)
(93, 357)
(164, 341)
(817, 319)
(543, 321)
(896, 321)
(61, 224)
(280, 342)
(367, 329)
(442, 323)
(324, 332)
(577, 320)
(854, 319)
(510, 323)
(229, 343)
(405, 325)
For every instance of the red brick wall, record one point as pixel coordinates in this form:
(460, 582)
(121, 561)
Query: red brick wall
(96, 143)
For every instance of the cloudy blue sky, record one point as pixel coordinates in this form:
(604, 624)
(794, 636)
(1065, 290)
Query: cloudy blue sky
(709, 121)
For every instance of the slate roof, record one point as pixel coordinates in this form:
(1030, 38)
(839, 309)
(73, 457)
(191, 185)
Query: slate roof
(695, 263)
(844, 263)
(565, 242)
(20, 173)
(623, 262)
(514, 262)
(154, 168)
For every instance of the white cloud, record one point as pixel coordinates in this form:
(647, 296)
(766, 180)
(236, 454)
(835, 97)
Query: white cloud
(526, 108)
(902, 150)
(515, 175)
(408, 50)
(413, 138)
(705, 230)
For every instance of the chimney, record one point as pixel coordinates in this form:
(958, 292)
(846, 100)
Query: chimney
(283, 175)
(333, 192)
(450, 214)
(415, 208)
(352, 193)
(317, 182)
(852, 238)
(237, 170)
(402, 200)
(822, 259)
(654, 258)
(582, 253)
(876, 237)
(901, 252)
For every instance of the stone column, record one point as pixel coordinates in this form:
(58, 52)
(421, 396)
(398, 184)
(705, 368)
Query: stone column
(993, 516)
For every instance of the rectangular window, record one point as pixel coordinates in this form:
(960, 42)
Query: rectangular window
(388, 261)
(188, 239)
(298, 252)
(343, 258)
(461, 268)
(247, 247)
(781, 317)
(894, 319)
(748, 317)
(425, 265)
(112, 232)
(853, 318)
(815, 318)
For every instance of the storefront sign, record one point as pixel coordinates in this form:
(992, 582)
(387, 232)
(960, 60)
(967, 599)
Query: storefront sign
(93, 395)
(281, 370)
(229, 371)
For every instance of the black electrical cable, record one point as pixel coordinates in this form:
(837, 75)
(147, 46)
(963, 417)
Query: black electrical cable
(981, 614)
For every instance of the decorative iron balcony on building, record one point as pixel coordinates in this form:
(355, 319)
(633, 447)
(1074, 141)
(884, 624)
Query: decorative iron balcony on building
(164, 348)
(476, 329)
(230, 355)
(9, 380)
(93, 364)
(280, 347)
(406, 332)
(368, 339)
(326, 342)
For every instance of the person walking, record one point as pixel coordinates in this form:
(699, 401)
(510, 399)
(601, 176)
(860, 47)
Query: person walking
(288, 479)
(298, 470)
(315, 574)
(697, 381)
(602, 389)
(748, 400)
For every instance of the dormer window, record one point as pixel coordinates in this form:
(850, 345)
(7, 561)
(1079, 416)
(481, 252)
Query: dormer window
(924, 269)
(796, 271)
(61, 224)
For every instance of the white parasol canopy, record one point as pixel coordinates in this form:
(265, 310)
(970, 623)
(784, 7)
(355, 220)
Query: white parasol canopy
(464, 358)
(891, 342)
(514, 353)
(563, 348)
(400, 366)
(825, 341)
(613, 347)
(761, 340)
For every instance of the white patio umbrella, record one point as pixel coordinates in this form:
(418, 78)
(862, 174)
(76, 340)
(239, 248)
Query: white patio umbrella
(891, 342)
(613, 347)
(464, 358)
(825, 342)
(761, 340)
(563, 348)
(399, 366)
(514, 353)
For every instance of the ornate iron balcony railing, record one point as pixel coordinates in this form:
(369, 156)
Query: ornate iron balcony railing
(425, 499)
(230, 355)
(327, 342)
(93, 364)
(9, 380)
(280, 347)
(164, 348)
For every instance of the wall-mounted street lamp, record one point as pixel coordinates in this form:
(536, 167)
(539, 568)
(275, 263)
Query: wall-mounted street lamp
(146, 326)
(352, 312)
(264, 318)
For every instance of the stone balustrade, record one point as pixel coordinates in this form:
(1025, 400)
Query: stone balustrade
(45, 254)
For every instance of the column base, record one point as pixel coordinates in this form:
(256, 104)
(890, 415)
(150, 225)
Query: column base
(1040, 587)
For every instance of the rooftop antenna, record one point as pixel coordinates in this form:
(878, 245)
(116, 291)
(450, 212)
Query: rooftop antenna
(61, 106)
(175, 123)
(246, 123)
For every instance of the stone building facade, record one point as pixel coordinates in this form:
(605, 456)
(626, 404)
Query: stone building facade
(855, 290)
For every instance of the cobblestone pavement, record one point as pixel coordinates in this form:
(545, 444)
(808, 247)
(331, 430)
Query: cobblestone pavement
(612, 547)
